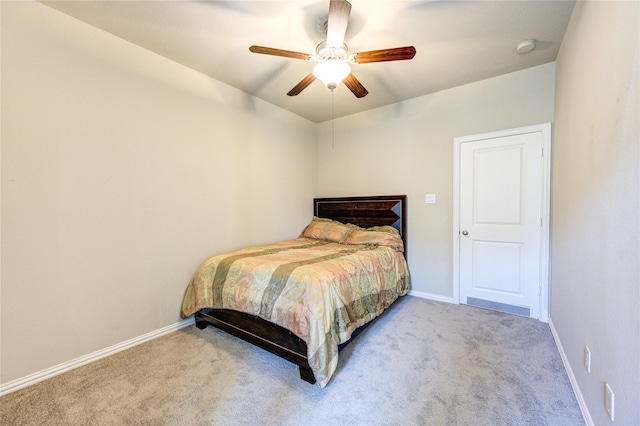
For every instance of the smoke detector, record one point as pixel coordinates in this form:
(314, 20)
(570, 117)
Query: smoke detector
(526, 46)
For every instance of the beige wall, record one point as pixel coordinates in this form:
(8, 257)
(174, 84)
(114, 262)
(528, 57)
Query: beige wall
(596, 205)
(407, 148)
(121, 172)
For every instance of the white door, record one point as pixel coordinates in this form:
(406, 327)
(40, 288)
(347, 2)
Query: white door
(500, 230)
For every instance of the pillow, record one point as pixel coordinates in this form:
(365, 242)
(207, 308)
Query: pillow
(377, 236)
(327, 229)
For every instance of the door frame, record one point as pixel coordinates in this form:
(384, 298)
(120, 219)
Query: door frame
(545, 130)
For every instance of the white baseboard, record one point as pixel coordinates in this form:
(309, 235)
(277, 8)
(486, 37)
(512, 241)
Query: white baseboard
(75, 363)
(572, 378)
(431, 296)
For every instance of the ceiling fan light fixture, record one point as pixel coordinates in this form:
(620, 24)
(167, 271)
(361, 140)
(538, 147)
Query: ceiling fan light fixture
(332, 55)
(331, 72)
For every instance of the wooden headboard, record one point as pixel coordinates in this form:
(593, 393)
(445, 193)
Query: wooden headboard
(365, 211)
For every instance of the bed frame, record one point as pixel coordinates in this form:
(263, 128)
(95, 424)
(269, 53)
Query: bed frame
(362, 211)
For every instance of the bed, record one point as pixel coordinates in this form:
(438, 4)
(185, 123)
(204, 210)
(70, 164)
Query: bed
(306, 299)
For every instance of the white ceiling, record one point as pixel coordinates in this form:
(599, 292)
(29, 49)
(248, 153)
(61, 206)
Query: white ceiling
(457, 42)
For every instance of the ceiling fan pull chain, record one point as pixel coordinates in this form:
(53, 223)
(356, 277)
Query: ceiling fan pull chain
(333, 125)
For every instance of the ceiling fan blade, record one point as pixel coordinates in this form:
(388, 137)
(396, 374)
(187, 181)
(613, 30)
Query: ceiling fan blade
(355, 86)
(339, 11)
(302, 85)
(383, 55)
(279, 52)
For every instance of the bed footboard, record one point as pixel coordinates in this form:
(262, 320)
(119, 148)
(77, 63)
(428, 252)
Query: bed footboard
(262, 333)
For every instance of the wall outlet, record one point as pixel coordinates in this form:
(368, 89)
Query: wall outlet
(608, 400)
(587, 359)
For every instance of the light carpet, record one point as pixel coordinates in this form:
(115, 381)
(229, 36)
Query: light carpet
(421, 363)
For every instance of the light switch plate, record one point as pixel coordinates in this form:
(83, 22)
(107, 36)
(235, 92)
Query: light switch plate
(431, 198)
(609, 400)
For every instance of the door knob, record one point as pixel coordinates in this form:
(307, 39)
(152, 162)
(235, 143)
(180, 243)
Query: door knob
(465, 232)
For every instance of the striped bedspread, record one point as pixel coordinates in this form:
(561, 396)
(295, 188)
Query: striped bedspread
(321, 291)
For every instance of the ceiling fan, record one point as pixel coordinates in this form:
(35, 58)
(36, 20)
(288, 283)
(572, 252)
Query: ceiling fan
(332, 55)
